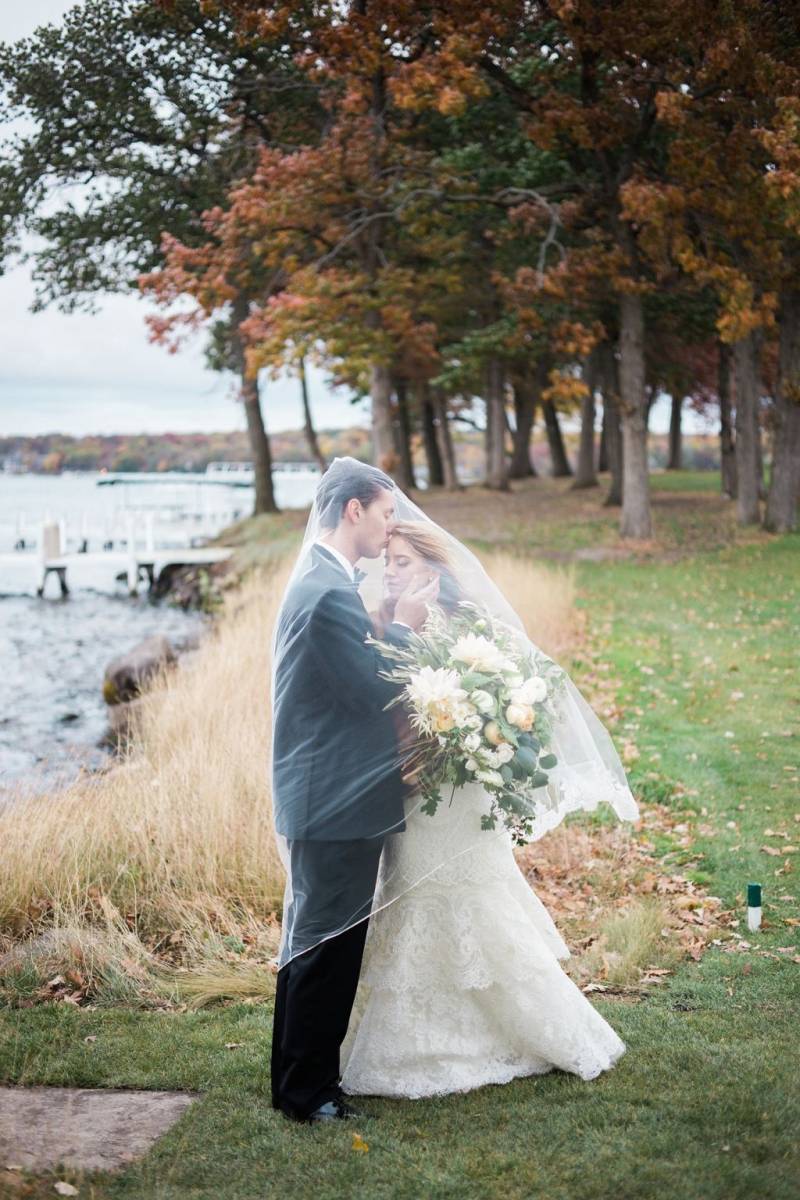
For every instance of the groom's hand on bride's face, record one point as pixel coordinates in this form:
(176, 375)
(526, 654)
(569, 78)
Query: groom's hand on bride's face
(412, 604)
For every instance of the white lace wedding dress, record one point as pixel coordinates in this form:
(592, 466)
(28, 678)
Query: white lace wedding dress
(460, 984)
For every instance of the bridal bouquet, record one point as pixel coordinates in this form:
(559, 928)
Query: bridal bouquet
(481, 705)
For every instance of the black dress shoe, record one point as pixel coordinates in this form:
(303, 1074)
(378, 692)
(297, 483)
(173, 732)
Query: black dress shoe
(332, 1110)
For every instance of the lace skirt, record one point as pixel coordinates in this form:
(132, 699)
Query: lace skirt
(461, 984)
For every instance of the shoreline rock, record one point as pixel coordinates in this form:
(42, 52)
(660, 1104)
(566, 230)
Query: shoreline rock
(126, 675)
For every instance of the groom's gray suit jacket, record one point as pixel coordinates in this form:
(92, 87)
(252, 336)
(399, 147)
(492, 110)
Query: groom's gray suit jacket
(335, 766)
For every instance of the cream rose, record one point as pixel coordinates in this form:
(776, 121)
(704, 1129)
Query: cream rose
(492, 733)
(521, 715)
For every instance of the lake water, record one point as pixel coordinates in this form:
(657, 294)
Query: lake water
(54, 651)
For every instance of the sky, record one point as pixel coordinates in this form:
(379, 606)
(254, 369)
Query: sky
(97, 373)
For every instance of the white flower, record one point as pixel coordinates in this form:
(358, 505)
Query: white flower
(471, 764)
(478, 653)
(437, 697)
(483, 701)
(475, 722)
(463, 713)
(432, 685)
(530, 692)
(472, 742)
(504, 752)
(490, 777)
(515, 680)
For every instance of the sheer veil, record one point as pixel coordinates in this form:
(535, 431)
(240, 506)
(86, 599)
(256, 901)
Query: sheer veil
(341, 785)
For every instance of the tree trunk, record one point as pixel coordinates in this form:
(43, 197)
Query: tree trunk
(675, 459)
(402, 432)
(526, 397)
(432, 455)
(614, 442)
(311, 433)
(609, 385)
(636, 519)
(384, 454)
(727, 453)
(781, 514)
(256, 430)
(496, 464)
(586, 475)
(602, 454)
(558, 454)
(444, 439)
(762, 490)
(745, 370)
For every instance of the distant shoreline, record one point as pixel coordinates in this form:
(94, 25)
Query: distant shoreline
(189, 454)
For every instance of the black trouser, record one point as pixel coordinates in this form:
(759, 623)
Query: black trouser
(334, 883)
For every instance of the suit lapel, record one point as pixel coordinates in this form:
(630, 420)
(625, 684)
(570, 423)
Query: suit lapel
(319, 553)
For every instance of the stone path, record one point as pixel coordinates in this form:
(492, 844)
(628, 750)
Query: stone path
(95, 1129)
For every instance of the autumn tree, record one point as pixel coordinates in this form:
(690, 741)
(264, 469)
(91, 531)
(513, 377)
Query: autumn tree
(135, 121)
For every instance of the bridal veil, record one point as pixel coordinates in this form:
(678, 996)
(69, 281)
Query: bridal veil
(341, 784)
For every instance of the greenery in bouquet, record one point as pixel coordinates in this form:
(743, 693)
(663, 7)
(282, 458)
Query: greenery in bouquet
(479, 696)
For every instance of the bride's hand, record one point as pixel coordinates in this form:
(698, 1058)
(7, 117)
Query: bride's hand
(412, 605)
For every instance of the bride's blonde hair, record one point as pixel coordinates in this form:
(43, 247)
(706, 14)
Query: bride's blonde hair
(429, 544)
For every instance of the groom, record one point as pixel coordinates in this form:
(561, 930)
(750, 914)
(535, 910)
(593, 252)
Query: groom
(336, 783)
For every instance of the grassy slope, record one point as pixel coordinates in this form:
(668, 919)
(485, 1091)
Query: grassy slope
(706, 1097)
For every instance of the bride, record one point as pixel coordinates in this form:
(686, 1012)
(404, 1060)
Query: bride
(461, 983)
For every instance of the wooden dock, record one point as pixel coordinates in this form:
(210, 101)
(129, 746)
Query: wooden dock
(136, 560)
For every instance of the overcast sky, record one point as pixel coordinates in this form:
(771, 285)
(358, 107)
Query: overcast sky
(83, 373)
(98, 373)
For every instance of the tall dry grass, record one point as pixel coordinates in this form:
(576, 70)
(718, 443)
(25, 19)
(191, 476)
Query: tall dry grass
(544, 598)
(169, 857)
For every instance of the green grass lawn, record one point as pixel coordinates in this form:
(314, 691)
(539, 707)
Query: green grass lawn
(705, 1104)
(685, 481)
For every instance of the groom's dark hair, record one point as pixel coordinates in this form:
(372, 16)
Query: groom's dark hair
(345, 481)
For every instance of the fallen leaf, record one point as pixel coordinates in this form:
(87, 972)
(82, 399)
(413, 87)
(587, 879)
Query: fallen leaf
(91, 1038)
(233, 1045)
(65, 1189)
(359, 1144)
(771, 850)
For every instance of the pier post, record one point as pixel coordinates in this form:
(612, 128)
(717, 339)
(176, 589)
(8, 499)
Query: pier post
(50, 547)
(133, 565)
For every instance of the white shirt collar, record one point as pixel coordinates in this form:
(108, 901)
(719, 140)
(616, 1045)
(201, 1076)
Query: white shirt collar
(337, 554)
